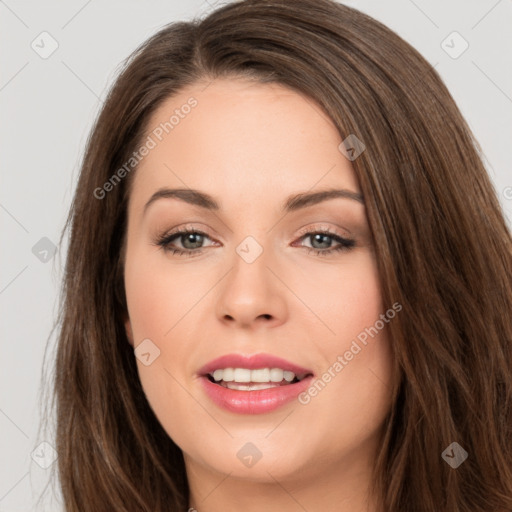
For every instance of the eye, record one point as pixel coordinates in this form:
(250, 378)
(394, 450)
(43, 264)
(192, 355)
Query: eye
(321, 242)
(192, 242)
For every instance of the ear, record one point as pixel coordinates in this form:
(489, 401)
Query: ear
(129, 332)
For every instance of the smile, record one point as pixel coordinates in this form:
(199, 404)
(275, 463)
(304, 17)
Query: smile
(253, 384)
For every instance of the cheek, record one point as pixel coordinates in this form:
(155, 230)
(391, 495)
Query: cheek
(345, 298)
(158, 297)
(161, 303)
(354, 381)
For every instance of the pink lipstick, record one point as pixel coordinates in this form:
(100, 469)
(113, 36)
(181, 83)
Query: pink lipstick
(253, 384)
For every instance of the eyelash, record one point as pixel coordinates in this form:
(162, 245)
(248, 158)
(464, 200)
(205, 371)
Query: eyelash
(345, 244)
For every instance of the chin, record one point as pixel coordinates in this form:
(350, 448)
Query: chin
(252, 458)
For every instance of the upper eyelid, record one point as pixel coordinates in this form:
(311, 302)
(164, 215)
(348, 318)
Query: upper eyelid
(304, 230)
(318, 228)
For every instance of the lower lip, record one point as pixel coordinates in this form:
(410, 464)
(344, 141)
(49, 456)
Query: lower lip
(254, 402)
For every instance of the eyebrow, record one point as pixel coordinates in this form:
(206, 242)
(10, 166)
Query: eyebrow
(293, 203)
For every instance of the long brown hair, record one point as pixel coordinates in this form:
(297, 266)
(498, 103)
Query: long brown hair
(442, 246)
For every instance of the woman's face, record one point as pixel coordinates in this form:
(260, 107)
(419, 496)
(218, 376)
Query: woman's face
(258, 278)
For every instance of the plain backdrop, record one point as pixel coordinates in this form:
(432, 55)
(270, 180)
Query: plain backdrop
(48, 103)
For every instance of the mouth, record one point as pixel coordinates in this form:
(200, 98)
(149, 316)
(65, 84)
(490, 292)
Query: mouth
(253, 384)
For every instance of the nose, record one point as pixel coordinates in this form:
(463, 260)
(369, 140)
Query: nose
(251, 295)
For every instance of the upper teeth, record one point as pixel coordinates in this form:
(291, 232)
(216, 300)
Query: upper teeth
(246, 375)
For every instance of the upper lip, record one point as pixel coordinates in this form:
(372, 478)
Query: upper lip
(252, 362)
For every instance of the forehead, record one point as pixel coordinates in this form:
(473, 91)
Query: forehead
(241, 140)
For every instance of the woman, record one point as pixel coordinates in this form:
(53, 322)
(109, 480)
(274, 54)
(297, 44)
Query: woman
(288, 283)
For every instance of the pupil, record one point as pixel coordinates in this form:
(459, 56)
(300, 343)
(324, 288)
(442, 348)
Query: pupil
(190, 238)
(318, 237)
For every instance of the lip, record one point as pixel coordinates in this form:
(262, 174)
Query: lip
(252, 362)
(258, 401)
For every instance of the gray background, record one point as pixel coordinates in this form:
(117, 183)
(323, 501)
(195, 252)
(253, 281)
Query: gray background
(48, 106)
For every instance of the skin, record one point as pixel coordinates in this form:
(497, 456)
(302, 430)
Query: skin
(250, 146)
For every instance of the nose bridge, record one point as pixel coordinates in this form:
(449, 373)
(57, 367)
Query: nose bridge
(251, 290)
(250, 266)
(250, 250)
